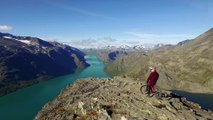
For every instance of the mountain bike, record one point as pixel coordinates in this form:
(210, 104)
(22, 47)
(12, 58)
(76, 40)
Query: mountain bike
(157, 93)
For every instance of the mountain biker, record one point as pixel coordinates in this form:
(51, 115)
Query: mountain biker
(152, 79)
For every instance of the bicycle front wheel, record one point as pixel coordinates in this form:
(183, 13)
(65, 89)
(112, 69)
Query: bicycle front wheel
(143, 89)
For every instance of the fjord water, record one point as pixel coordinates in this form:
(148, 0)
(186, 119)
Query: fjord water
(204, 100)
(25, 103)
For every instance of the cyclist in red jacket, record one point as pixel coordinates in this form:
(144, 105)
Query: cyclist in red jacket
(152, 79)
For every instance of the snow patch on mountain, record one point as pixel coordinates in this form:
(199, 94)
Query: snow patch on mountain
(20, 40)
(25, 41)
(7, 37)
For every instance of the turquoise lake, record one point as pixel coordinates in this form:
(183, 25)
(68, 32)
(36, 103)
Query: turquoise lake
(25, 103)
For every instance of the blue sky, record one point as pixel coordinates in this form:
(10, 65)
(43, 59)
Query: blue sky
(147, 21)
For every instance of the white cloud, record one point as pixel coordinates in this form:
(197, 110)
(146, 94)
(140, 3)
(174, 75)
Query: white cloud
(88, 13)
(107, 39)
(78, 10)
(50, 39)
(160, 38)
(5, 27)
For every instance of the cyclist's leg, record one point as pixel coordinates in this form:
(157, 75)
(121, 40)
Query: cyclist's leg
(148, 89)
(153, 88)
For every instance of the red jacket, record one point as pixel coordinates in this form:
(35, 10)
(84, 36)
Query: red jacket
(153, 77)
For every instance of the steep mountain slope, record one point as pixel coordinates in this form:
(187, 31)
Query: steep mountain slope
(187, 67)
(111, 53)
(118, 99)
(27, 60)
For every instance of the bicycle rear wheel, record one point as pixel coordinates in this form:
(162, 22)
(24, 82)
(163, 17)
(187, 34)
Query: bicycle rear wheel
(158, 92)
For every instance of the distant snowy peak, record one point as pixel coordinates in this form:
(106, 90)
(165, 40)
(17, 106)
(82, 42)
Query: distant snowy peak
(114, 44)
(108, 43)
(125, 47)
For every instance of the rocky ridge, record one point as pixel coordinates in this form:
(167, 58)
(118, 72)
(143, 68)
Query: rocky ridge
(118, 98)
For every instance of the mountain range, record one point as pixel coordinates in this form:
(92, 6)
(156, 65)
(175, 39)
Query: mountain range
(110, 53)
(110, 43)
(28, 60)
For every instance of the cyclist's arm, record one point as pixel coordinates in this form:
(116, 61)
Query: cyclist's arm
(149, 78)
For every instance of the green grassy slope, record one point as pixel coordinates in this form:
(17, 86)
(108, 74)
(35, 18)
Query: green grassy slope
(187, 67)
